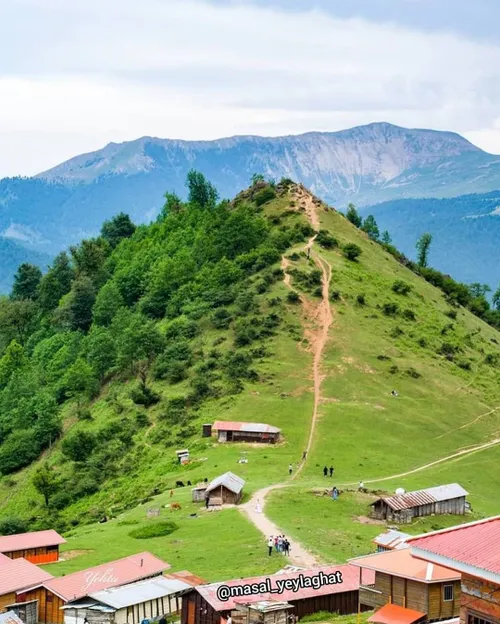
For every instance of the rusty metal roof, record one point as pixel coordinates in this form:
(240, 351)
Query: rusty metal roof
(229, 480)
(350, 582)
(244, 427)
(394, 614)
(424, 497)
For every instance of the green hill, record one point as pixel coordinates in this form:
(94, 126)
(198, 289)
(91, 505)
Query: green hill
(219, 311)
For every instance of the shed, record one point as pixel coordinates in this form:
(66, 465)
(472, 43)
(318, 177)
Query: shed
(393, 614)
(15, 576)
(226, 489)
(402, 508)
(262, 612)
(199, 493)
(182, 456)
(37, 547)
(129, 604)
(246, 432)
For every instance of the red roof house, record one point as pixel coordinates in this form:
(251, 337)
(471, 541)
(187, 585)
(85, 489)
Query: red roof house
(393, 614)
(56, 592)
(473, 550)
(37, 547)
(204, 606)
(246, 432)
(16, 575)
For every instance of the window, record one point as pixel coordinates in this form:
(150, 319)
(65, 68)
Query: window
(474, 619)
(448, 593)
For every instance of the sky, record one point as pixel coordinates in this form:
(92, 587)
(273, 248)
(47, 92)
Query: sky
(78, 74)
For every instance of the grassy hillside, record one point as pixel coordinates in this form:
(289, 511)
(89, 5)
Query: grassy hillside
(215, 332)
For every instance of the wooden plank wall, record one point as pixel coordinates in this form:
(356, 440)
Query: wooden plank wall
(36, 555)
(6, 600)
(49, 605)
(438, 607)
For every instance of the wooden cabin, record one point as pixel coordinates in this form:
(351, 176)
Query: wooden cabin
(15, 576)
(225, 490)
(202, 606)
(403, 580)
(129, 604)
(263, 612)
(38, 547)
(473, 551)
(246, 432)
(54, 594)
(402, 508)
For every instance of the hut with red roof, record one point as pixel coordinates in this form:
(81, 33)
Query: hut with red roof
(37, 547)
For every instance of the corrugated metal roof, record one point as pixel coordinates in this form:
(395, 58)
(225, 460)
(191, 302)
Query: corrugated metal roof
(219, 425)
(475, 544)
(394, 614)
(10, 618)
(424, 497)
(136, 593)
(228, 480)
(24, 541)
(112, 574)
(19, 574)
(401, 563)
(392, 539)
(350, 582)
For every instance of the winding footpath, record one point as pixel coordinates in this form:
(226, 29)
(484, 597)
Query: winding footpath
(321, 319)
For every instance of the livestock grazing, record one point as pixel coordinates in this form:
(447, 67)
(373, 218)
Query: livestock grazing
(175, 506)
(189, 482)
(179, 484)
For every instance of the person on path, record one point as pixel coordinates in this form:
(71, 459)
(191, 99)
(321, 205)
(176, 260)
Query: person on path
(286, 547)
(276, 543)
(280, 543)
(325, 471)
(304, 455)
(335, 493)
(361, 486)
(270, 543)
(258, 508)
(290, 469)
(207, 501)
(331, 471)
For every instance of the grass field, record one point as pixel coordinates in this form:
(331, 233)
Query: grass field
(362, 430)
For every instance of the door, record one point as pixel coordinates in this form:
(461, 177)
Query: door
(191, 612)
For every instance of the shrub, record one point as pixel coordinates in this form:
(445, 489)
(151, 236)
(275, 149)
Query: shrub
(409, 315)
(361, 300)
(390, 309)
(491, 359)
(264, 196)
(464, 365)
(352, 251)
(335, 295)
(79, 445)
(221, 318)
(383, 358)
(326, 240)
(397, 332)
(447, 328)
(318, 292)
(155, 529)
(144, 395)
(12, 526)
(293, 297)
(448, 350)
(422, 342)
(401, 288)
(394, 369)
(451, 313)
(411, 372)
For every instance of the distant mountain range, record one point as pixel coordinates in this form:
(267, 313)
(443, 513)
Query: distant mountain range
(365, 165)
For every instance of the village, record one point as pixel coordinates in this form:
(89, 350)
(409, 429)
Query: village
(450, 576)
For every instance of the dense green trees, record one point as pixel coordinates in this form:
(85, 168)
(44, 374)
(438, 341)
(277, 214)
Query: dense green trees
(353, 215)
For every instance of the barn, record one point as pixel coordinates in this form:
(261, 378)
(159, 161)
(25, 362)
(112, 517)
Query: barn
(246, 432)
(201, 605)
(55, 593)
(38, 547)
(402, 508)
(225, 490)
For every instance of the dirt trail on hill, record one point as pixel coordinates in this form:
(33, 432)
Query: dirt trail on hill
(467, 451)
(321, 319)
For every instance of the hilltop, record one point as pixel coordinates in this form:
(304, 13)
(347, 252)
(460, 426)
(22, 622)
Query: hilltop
(365, 165)
(216, 311)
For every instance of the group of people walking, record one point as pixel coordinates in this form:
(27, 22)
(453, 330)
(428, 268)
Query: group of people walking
(327, 470)
(280, 544)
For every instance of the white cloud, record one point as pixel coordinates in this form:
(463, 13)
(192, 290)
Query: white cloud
(92, 72)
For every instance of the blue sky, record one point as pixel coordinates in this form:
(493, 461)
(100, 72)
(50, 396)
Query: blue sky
(77, 75)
